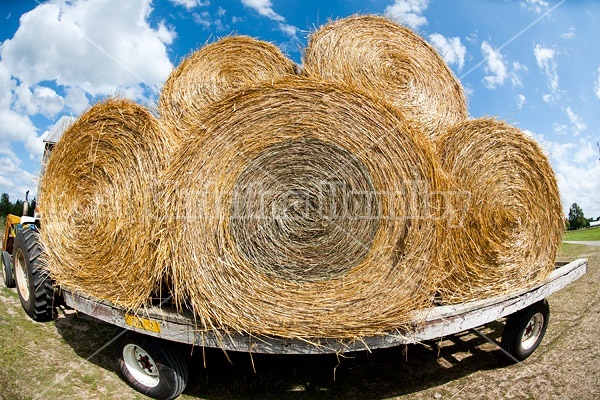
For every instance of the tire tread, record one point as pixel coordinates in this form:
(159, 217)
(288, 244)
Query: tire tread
(9, 279)
(163, 353)
(515, 323)
(39, 308)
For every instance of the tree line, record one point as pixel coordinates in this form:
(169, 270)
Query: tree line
(16, 208)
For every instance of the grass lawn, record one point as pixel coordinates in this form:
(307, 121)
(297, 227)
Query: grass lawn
(584, 234)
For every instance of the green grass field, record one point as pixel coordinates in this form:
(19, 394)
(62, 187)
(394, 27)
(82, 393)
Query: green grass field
(584, 234)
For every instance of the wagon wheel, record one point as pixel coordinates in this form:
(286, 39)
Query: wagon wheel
(150, 366)
(525, 329)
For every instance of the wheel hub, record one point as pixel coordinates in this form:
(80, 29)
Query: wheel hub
(141, 365)
(532, 331)
(21, 275)
(145, 363)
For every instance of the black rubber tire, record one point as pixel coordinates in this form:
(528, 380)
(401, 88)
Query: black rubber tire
(164, 358)
(525, 329)
(7, 273)
(27, 254)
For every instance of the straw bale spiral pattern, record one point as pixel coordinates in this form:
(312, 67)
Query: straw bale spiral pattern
(275, 159)
(304, 210)
(214, 71)
(512, 220)
(97, 198)
(389, 60)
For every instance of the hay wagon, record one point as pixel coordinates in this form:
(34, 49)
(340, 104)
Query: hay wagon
(150, 342)
(149, 359)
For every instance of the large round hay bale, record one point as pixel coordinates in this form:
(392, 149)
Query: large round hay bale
(299, 209)
(97, 203)
(215, 70)
(508, 218)
(389, 60)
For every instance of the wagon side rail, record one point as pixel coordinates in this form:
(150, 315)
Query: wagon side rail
(432, 323)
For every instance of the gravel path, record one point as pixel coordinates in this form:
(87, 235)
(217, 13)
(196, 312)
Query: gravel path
(585, 243)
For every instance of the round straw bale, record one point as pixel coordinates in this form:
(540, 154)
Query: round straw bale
(215, 70)
(389, 60)
(97, 203)
(308, 214)
(511, 219)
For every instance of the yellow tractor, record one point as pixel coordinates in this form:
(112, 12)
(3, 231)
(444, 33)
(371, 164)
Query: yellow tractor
(22, 265)
(22, 251)
(8, 239)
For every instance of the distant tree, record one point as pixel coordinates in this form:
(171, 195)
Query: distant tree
(5, 206)
(576, 218)
(17, 208)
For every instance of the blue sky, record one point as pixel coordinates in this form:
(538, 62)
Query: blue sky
(533, 63)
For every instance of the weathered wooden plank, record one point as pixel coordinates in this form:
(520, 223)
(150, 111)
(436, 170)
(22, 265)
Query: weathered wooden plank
(429, 324)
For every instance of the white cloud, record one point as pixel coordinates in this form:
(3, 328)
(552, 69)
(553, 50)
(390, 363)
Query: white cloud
(15, 181)
(521, 99)
(586, 153)
(560, 129)
(472, 38)
(597, 85)
(41, 100)
(164, 34)
(7, 85)
(47, 101)
(577, 169)
(15, 127)
(514, 75)
(205, 20)
(189, 4)
(34, 145)
(576, 120)
(469, 91)
(568, 35)
(544, 57)
(265, 8)
(100, 47)
(494, 66)
(451, 49)
(23, 100)
(76, 100)
(202, 19)
(289, 30)
(535, 5)
(408, 12)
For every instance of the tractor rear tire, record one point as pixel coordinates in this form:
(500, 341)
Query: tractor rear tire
(31, 277)
(7, 273)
